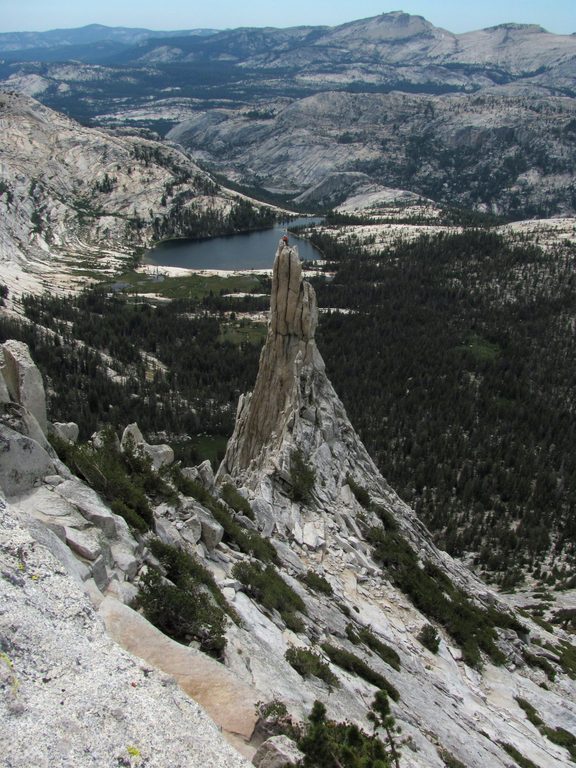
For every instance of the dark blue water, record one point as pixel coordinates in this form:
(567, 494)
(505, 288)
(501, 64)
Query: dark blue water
(251, 250)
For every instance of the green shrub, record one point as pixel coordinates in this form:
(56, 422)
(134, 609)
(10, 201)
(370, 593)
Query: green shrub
(293, 621)
(361, 494)
(448, 759)
(562, 738)
(249, 542)
(364, 635)
(308, 664)
(522, 761)
(130, 515)
(357, 666)
(303, 478)
(326, 744)
(182, 614)
(386, 517)
(187, 486)
(559, 736)
(118, 477)
(566, 617)
(567, 653)
(317, 582)
(184, 570)
(539, 662)
(429, 638)
(433, 593)
(235, 500)
(268, 588)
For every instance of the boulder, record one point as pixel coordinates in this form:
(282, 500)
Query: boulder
(166, 532)
(191, 530)
(160, 455)
(68, 431)
(212, 531)
(23, 462)
(23, 380)
(91, 507)
(202, 474)
(78, 570)
(83, 543)
(313, 536)
(264, 516)
(277, 752)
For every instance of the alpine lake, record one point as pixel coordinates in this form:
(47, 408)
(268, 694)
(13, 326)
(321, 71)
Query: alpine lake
(245, 251)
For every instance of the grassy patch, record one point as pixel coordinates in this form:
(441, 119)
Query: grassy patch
(190, 286)
(243, 331)
(199, 448)
(481, 350)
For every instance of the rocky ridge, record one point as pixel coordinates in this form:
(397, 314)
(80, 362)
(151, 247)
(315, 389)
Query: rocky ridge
(497, 151)
(293, 416)
(483, 119)
(76, 202)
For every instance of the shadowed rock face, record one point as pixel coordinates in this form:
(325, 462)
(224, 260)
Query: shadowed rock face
(265, 415)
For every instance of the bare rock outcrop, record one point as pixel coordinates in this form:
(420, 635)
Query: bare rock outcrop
(277, 752)
(288, 364)
(160, 455)
(72, 696)
(23, 380)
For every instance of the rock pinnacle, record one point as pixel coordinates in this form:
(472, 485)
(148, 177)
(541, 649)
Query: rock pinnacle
(265, 416)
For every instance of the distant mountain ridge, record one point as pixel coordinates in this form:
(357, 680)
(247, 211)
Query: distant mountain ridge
(91, 33)
(392, 38)
(483, 119)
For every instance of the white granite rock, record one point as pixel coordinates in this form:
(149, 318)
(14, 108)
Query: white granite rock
(23, 462)
(68, 431)
(277, 752)
(24, 380)
(73, 696)
(160, 455)
(83, 543)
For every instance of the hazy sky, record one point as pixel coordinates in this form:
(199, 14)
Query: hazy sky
(455, 15)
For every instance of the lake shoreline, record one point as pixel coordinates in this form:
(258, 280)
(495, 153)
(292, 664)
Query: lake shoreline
(242, 253)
